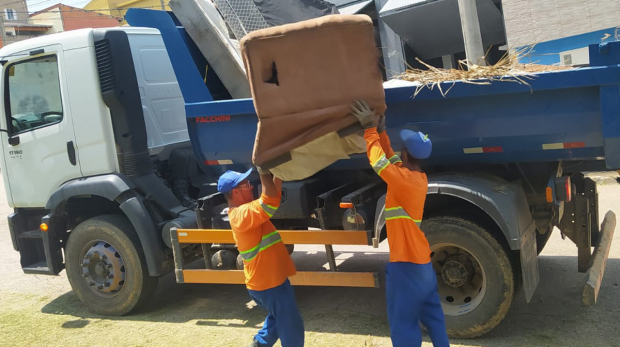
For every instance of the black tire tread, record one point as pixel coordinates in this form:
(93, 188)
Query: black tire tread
(120, 226)
(504, 264)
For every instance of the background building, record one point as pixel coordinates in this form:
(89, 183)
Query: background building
(561, 29)
(118, 8)
(14, 24)
(63, 18)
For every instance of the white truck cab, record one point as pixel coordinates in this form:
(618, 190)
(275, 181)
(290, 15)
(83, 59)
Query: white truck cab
(58, 126)
(95, 146)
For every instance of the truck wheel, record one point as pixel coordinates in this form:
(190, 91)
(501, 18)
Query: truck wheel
(290, 249)
(474, 275)
(106, 267)
(240, 263)
(224, 260)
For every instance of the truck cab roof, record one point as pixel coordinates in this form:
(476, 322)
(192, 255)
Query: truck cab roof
(69, 40)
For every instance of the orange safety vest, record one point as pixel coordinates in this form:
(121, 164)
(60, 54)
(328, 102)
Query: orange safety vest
(404, 202)
(267, 263)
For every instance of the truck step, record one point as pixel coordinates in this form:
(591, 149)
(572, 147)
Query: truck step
(302, 278)
(38, 269)
(33, 234)
(294, 237)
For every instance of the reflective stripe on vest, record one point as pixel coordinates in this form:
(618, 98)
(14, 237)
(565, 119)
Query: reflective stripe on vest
(267, 241)
(380, 164)
(269, 210)
(399, 213)
(395, 159)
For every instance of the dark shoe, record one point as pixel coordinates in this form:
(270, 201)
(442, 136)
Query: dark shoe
(254, 344)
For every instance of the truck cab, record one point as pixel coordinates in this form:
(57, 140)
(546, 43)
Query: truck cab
(58, 127)
(90, 121)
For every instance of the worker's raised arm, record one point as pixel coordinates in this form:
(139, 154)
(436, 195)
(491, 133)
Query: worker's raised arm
(376, 155)
(384, 139)
(272, 187)
(257, 212)
(379, 161)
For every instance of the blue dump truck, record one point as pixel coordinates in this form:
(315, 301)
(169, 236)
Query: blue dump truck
(113, 139)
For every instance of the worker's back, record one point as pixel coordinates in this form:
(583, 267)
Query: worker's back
(406, 239)
(267, 263)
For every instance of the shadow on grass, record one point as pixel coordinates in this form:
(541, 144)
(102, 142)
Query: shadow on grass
(75, 324)
(359, 311)
(554, 317)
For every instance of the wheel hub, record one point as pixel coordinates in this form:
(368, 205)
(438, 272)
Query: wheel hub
(457, 270)
(461, 281)
(103, 268)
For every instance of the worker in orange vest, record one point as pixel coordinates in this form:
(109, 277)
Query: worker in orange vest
(267, 263)
(411, 282)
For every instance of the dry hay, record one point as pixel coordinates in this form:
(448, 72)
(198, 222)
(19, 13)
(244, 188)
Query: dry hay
(507, 69)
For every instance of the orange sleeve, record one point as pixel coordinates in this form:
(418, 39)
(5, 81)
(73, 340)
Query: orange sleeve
(384, 140)
(390, 173)
(253, 214)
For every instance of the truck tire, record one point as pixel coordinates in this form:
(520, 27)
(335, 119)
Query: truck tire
(474, 275)
(224, 260)
(290, 249)
(106, 267)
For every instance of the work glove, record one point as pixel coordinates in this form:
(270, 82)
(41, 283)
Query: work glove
(364, 114)
(381, 125)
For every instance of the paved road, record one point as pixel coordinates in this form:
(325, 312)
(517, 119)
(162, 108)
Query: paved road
(346, 317)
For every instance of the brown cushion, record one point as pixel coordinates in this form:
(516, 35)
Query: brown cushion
(316, 155)
(304, 77)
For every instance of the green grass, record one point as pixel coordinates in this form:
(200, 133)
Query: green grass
(189, 320)
(24, 322)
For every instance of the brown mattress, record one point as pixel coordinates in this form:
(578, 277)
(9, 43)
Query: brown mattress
(303, 78)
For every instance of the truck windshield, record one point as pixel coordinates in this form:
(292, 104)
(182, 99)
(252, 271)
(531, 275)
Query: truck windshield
(34, 90)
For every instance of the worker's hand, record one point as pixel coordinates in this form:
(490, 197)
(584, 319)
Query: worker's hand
(381, 125)
(364, 114)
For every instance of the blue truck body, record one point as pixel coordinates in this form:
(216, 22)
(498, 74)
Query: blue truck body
(501, 122)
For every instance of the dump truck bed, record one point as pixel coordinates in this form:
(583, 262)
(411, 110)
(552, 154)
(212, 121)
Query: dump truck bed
(565, 115)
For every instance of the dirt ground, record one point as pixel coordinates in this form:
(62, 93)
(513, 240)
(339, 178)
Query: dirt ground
(42, 310)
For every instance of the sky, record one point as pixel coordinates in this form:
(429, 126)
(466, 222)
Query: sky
(36, 5)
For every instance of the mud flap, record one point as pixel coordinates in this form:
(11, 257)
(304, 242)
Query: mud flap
(529, 261)
(599, 259)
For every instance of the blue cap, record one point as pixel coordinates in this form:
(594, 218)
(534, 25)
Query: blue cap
(417, 144)
(230, 180)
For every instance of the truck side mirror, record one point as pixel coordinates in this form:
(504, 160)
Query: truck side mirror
(13, 140)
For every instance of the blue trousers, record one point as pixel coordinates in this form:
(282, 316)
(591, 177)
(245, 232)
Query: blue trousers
(412, 298)
(283, 321)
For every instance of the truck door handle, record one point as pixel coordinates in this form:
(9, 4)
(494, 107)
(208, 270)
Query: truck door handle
(71, 153)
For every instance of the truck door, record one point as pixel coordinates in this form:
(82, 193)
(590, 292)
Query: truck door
(40, 152)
